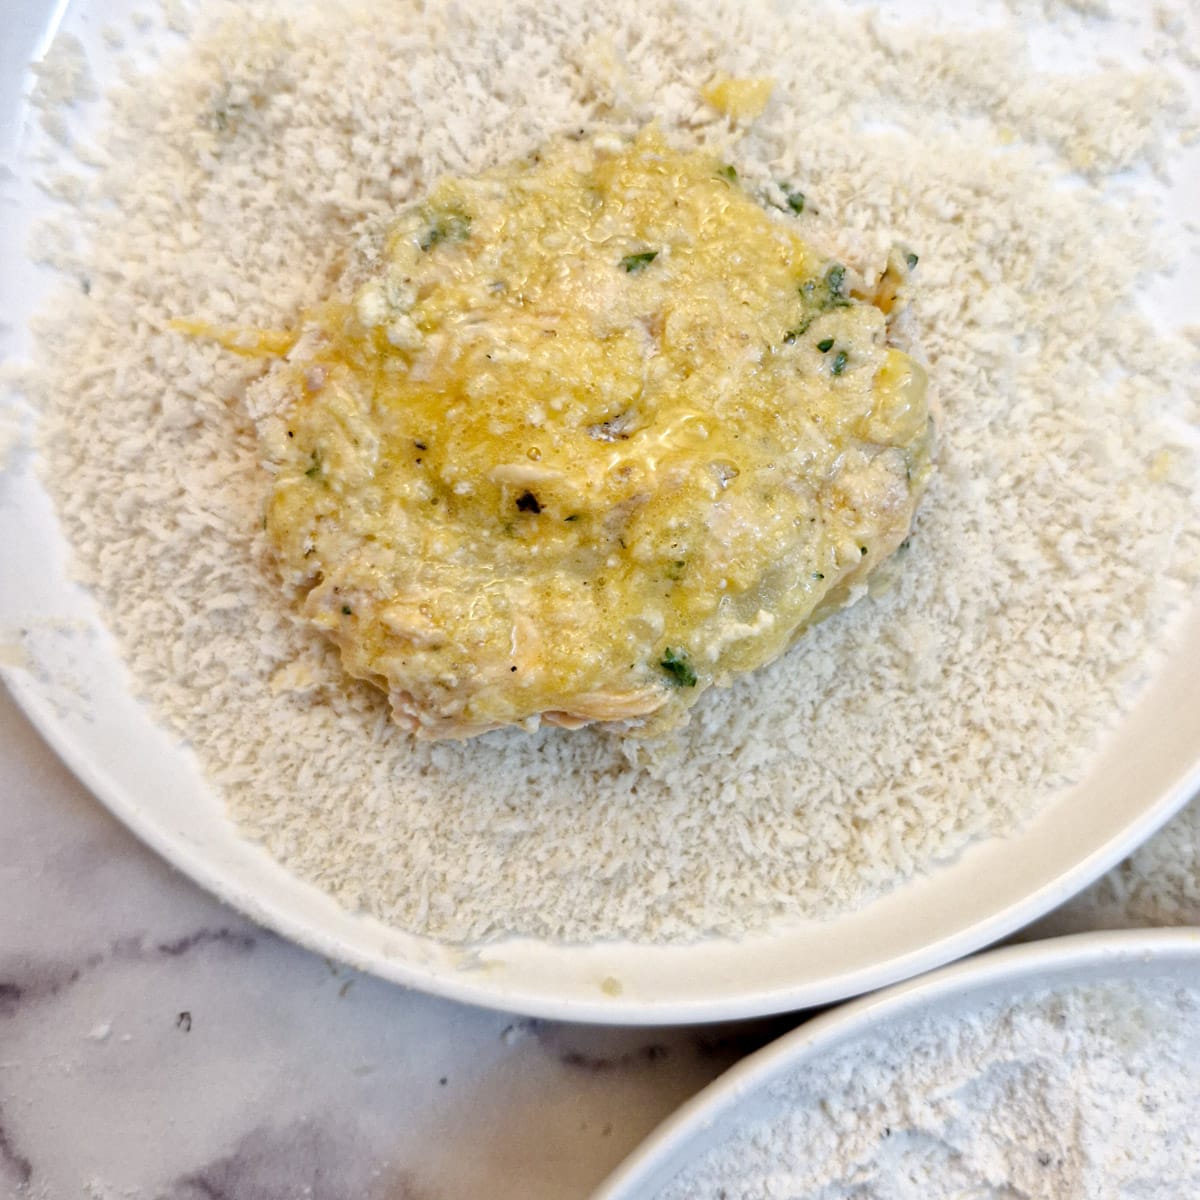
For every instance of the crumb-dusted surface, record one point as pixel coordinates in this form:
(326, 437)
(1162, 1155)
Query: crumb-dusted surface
(1053, 545)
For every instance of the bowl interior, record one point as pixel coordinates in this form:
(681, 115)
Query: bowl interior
(64, 669)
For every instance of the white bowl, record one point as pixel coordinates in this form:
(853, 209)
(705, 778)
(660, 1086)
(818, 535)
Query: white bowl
(1000, 975)
(79, 696)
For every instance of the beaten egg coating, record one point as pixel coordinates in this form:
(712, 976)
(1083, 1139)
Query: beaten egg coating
(596, 431)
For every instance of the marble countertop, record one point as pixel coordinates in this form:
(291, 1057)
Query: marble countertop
(156, 1046)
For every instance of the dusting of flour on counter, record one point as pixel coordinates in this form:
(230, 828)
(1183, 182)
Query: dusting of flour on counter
(1086, 1092)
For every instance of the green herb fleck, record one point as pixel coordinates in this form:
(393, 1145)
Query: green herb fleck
(675, 569)
(912, 261)
(572, 517)
(825, 345)
(677, 666)
(863, 551)
(315, 469)
(346, 610)
(728, 171)
(792, 198)
(840, 359)
(446, 227)
(817, 575)
(633, 263)
(821, 295)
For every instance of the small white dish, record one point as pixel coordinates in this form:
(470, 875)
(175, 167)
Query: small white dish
(1000, 975)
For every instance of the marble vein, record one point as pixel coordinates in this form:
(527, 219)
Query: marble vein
(40, 980)
(13, 1163)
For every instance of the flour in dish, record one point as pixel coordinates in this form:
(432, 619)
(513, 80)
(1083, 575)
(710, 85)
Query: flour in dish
(1088, 1091)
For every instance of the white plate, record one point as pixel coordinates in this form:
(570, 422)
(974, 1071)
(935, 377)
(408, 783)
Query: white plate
(1090, 958)
(81, 701)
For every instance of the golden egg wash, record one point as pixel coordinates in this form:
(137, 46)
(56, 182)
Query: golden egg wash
(597, 431)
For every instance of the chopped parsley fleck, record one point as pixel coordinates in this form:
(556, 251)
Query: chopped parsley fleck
(792, 198)
(446, 227)
(912, 261)
(572, 517)
(825, 345)
(633, 263)
(678, 667)
(840, 359)
(346, 610)
(528, 502)
(728, 171)
(821, 295)
(863, 551)
(315, 469)
(817, 575)
(675, 569)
